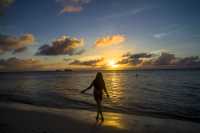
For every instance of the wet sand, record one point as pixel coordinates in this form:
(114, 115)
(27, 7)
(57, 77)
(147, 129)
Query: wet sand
(23, 118)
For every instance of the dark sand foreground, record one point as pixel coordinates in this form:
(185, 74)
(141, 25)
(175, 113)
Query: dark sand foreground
(22, 118)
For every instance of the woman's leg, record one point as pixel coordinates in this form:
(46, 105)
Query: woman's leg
(100, 110)
(97, 117)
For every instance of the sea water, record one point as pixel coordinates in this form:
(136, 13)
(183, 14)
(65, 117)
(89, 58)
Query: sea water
(162, 93)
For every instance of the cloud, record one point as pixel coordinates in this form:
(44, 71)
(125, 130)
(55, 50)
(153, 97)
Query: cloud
(93, 62)
(72, 6)
(134, 59)
(64, 45)
(4, 4)
(71, 9)
(16, 64)
(189, 61)
(19, 50)
(127, 13)
(160, 35)
(141, 55)
(15, 44)
(109, 40)
(170, 60)
(163, 60)
(168, 30)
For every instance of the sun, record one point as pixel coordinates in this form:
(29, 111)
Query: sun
(112, 63)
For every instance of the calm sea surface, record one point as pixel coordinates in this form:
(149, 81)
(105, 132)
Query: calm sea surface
(164, 93)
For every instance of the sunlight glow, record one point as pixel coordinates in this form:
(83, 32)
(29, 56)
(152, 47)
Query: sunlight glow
(112, 63)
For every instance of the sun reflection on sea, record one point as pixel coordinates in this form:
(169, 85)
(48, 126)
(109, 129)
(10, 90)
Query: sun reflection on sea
(114, 85)
(114, 120)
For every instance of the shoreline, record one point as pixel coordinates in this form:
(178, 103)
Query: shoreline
(23, 118)
(7, 99)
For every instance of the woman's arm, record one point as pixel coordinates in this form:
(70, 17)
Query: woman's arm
(87, 88)
(105, 90)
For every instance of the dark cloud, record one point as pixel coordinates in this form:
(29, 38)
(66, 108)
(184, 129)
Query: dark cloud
(19, 50)
(142, 55)
(167, 59)
(4, 4)
(93, 62)
(193, 61)
(15, 44)
(124, 61)
(62, 46)
(134, 59)
(16, 64)
(164, 60)
(138, 55)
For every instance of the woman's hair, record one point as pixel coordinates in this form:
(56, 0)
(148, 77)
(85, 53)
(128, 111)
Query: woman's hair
(99, 82)
(99, 75)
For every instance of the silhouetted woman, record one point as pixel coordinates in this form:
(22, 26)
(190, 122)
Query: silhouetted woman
(99, 86)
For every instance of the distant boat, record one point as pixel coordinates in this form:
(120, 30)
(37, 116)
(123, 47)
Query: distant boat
(57, 70)
(67, 70)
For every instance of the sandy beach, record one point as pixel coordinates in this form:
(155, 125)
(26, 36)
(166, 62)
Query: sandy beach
(23, 118)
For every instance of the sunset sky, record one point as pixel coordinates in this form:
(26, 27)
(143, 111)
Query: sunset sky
(99, 34)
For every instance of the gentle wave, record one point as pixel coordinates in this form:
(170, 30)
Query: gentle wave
(63, 103)
(166, 94)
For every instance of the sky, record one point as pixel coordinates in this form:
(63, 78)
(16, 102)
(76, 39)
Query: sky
(99, 34)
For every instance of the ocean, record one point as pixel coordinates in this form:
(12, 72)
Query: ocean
(173, 94)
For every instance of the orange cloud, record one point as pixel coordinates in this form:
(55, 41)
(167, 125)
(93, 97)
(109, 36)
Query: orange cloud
(109, 40)
(72, 6)
(71, 9)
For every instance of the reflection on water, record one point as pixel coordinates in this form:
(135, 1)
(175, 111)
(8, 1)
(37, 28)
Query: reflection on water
(114, 120)
(170, 93)
(114, 85)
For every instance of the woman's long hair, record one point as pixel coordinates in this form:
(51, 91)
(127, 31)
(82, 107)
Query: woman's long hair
(99, 82)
